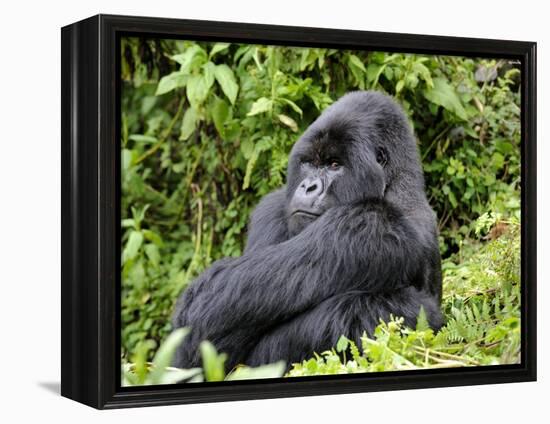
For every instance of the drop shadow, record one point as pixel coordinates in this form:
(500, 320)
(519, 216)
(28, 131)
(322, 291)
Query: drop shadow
(51, 386)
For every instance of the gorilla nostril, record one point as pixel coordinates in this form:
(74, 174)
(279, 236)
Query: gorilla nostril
(311, 188)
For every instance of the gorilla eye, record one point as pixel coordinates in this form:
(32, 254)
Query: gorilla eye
(334, 164)
(381, 156)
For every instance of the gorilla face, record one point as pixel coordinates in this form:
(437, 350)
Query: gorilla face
(340, 159)
(320, 169)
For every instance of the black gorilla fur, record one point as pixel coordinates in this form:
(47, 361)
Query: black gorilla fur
(350, 240)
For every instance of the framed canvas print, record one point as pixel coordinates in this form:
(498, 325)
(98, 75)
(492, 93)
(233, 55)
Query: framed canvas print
(253, 211)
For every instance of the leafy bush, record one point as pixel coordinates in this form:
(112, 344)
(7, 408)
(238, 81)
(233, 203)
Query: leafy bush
(207, 128)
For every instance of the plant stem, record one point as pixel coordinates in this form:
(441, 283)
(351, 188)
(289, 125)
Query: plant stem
(166, 134)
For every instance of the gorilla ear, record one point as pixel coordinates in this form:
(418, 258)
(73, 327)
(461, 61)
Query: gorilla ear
(381, 156)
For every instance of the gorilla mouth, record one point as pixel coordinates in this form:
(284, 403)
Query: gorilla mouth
(308, 214)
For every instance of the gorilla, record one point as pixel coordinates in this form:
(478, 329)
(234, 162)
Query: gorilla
(349, 241)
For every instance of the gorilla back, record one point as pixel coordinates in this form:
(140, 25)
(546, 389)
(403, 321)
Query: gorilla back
(350, 240)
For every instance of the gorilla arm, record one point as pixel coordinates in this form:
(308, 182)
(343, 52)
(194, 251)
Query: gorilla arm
(369, 247)
(267, 227)
(348, 314)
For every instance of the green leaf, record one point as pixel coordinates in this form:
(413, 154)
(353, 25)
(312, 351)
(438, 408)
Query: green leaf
(274, 370)
(452, 199)
(171, 82)
(178, 168)
(197, 89)
(152, 252)
(128, 222)
(225, 77)
(188, 123)
(373, 73)
(399, 86)
(148, 104)
(132, 245)
(293, 105)
(126, 159)
(307, 57)
(220, 114)
(152, 237)
(250, 167)
(218, 47)
(128, 377)
(289, 122)
(263, 104)
(342, 344)
(311, 365)
(263, 144)
(212, 362)
(140, 359)
(209, 69)
(444, 95)
(166, 352)
(356, 62)
(143, 138)
(232, 127)
(504, 147)
(424, 72)
(497, 161)
(192, 58)
(176, 375)
(373, 70)
(247, 147)
(358, 70)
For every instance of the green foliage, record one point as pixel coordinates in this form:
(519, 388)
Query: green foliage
(207, 129)
(481, 302)
(141, 372)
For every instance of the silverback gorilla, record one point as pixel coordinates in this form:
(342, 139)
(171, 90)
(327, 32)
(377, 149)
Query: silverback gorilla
(350, 240)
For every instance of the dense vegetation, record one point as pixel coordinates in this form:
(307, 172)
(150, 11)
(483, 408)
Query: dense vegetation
(206, 132)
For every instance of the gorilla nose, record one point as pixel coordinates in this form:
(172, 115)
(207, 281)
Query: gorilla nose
(311, 187)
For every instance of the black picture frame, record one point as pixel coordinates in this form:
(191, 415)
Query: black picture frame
(90, 371)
